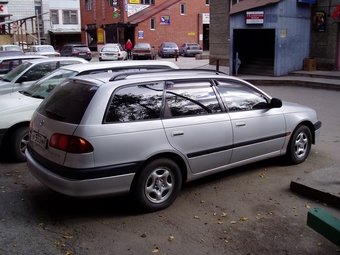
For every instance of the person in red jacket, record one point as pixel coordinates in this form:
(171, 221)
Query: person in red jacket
(128, 47)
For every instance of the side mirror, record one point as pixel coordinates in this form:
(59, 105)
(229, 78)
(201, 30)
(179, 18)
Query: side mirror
(275, 103)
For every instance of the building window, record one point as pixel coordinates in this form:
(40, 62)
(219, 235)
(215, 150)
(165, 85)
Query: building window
(207, 2)
(149, 2)
(182, 9)
(54, 16)
(113, 2)
(70, 17)
(88, 5)
(152, 24)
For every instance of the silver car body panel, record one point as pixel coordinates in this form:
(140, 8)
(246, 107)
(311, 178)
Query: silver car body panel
(206, 144)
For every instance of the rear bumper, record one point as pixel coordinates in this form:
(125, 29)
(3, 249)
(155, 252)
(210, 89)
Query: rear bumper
(97, 187)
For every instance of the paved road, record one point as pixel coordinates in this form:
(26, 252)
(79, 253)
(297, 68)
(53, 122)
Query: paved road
(248, 210)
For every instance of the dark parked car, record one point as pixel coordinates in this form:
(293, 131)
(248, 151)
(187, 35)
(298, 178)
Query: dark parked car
(76, 50)
(190, 49)
(142, 51)
(168, 49)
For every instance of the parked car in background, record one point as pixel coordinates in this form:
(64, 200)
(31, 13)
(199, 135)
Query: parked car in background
(112, 52)
(42, 50)
(8, 63)
(168, 49)
(10, 47)
(6, 53)
(147, 134)
(190, 49)
(142, 51)
(76, 50)
(32, 70)
(17, 108)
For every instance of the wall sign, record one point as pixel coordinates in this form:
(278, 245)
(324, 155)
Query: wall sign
(255, 17)
(164, 20)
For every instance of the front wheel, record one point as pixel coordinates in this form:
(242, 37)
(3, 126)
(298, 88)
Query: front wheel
(157, 185)
(299, 145)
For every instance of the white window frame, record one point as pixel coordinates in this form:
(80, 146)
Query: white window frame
(54, 16)
(182, 9)
(71, 13)
(88, 5)
(152, 24)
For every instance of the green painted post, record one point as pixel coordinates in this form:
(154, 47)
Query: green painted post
(325, 224)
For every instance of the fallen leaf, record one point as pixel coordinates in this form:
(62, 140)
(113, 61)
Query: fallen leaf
(155, 250)
(69, 253)
(223, 214)
(171, 238)
(233, 222)
(196, 217)
(202, 201)
(220, 222)
(244, 219)
(202, 240)
(307, 206)
(67, 236)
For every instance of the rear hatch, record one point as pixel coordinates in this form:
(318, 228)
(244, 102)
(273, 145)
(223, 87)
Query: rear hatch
(56, 120)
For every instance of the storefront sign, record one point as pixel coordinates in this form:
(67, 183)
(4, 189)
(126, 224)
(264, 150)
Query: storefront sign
(255, 17)
(140, 34)
(319, 21)
(206, 18)
(134, 1)
(100, 35)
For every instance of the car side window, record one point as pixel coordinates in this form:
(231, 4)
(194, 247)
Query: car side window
(40, 70)
(138, 102)
(189, 98)
(240, 97)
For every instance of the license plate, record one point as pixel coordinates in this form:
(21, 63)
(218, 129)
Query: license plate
(39, 139)
(81, 53)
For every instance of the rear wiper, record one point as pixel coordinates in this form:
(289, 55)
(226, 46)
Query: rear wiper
(38, 96)
(49, 112)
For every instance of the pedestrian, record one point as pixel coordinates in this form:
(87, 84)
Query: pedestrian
(128, 47)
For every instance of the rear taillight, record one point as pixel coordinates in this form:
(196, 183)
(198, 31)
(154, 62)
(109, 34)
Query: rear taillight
(74, 53)
(70, 143)
(57, 55)
(88, 53)
(188, 48)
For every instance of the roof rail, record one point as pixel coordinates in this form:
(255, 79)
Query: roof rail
(122, 76)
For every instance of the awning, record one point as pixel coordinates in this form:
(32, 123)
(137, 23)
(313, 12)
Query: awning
(250, 4)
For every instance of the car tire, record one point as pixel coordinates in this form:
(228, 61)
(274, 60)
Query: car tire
(299, 145)
(157, 185)
(17, 144)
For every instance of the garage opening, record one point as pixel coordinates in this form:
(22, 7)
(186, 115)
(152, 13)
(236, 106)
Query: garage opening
(256, 49)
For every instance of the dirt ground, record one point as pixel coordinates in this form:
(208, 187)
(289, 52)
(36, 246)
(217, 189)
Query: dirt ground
(248, 210)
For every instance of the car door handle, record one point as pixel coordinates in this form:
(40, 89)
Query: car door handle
(177, 133)
(240, 124)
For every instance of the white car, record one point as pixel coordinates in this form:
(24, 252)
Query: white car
(8, 63)
(17, 108)
(32, 70)
(43, 50)
(112, 51)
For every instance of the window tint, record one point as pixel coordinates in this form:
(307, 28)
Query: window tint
(240, 97)
(191, 97)
(40, 70)
(68, 102)
(139, 102)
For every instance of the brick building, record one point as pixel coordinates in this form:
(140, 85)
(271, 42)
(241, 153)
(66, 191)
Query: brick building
(153, 21)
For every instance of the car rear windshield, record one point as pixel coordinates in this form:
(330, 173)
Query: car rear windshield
(15, 72)
(81, 48)
(68, 102)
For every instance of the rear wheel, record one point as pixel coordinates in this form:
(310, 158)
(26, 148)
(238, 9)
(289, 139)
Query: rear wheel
(17, 144)
(157, 185)
(299, 145)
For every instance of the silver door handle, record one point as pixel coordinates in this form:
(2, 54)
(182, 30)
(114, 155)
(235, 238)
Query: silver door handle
(177, 133)
(240, 124)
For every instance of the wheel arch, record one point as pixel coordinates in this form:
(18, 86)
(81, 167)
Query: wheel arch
(310, 127)
(10, 130)
(173, 156)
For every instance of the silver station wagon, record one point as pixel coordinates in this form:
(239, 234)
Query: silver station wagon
(148, 133)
